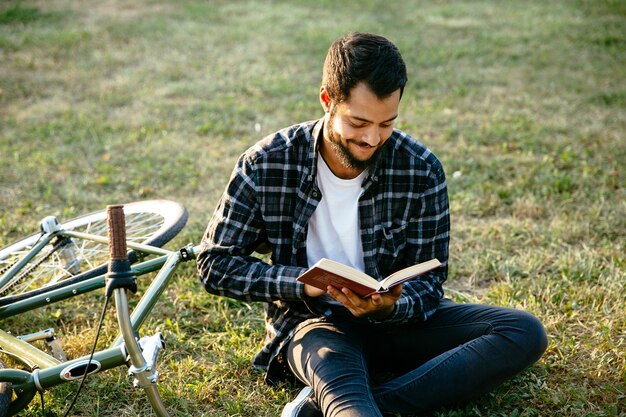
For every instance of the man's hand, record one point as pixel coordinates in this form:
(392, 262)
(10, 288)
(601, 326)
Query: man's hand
(377, 306)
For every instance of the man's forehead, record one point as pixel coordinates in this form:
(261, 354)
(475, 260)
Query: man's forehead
(364, 105)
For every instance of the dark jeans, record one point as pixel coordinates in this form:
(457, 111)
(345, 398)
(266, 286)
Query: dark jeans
(462, 351)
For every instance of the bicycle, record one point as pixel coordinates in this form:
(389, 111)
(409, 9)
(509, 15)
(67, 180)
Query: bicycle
(65, 260)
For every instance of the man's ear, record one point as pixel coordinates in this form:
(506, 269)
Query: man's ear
(324, 99)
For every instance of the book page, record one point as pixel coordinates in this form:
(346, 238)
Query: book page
(410, 272)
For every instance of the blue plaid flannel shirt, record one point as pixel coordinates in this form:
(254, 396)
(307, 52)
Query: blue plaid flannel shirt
(403, 214)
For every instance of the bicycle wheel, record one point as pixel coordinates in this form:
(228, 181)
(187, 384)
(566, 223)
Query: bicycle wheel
(153, 222)
(6, 391)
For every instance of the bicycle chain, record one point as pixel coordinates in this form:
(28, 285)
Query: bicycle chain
(6, 268)
(29, 271)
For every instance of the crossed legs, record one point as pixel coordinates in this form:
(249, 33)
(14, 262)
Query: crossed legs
(461, 352)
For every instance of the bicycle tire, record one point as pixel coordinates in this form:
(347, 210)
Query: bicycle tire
(6, 392)
(152, 222)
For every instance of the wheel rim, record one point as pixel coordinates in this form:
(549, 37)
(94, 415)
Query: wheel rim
(142, 225)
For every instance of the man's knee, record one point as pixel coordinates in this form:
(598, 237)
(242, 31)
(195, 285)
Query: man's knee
(534, 337)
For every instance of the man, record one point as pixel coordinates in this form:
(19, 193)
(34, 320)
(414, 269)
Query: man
(351, 188)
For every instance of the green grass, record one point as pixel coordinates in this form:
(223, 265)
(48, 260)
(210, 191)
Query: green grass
(523, 101)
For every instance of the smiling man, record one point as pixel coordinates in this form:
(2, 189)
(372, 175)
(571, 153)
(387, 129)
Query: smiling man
(355, 131)
(351, 188)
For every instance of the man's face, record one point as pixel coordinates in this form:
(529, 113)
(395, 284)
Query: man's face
(357, 129)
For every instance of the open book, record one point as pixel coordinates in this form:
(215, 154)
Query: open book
(326, 272)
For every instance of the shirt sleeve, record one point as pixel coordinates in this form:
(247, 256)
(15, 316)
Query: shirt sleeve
(428, 237)
(225, 262)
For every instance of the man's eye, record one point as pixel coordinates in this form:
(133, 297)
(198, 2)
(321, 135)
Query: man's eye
(386, 125)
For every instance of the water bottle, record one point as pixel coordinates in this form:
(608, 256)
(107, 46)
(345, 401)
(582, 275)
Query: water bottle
(67, 256)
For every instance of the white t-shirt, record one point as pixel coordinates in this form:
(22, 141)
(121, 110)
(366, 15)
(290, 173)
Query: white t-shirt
(334, 231)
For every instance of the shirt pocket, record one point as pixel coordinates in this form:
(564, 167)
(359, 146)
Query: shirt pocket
(394, 240)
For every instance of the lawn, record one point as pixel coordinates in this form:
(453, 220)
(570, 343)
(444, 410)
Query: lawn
(523, 101)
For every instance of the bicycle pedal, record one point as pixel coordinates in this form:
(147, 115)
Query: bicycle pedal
(150, 348)
(53, 344)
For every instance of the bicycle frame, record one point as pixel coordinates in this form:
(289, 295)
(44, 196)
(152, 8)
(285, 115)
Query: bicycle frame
(48, 371)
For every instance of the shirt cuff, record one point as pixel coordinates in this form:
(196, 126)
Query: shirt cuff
(288, 286)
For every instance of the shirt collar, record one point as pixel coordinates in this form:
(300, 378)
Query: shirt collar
(316, 138)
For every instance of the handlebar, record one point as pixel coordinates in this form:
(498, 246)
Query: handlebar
(120, 275)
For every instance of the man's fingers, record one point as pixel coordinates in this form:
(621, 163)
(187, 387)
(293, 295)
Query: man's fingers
(377, 300)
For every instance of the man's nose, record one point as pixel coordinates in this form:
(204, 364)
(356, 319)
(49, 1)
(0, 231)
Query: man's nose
(371, 136)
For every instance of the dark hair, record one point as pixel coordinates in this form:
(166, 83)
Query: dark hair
(363, 57)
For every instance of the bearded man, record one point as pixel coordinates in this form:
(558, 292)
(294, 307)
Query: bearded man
(352, 188)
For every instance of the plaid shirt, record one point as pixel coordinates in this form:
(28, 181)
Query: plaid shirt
(403, 215)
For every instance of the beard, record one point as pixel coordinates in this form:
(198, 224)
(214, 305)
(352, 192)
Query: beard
(346, 158)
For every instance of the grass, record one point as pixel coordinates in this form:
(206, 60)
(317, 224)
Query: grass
(524, 102)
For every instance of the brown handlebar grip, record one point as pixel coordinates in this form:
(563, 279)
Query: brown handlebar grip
(117, 233)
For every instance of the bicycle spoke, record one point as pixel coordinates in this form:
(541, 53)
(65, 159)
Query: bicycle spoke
(88, 253)
(153, 222)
